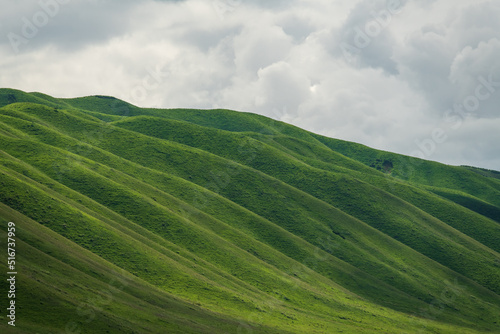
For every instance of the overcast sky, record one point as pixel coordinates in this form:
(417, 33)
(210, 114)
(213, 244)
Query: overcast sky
(418, 77)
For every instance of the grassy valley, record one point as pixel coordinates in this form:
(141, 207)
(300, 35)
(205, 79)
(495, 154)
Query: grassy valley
(134, 220)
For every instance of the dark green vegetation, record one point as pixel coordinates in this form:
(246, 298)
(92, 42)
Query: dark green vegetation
(137, 220)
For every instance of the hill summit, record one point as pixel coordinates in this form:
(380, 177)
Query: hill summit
(135, 220)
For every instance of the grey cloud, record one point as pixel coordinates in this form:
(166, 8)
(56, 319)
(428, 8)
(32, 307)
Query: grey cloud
(475, 24)
(477, 74)
(207, 38)
(445, 60)
(274, 4)
(280, 87)
(365, 40)
(425, 64)
(281, 59)
(475, 140)
(297, 27)
(260, 46)
(68, 25)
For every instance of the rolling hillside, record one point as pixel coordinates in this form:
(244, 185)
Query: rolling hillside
(132, 220)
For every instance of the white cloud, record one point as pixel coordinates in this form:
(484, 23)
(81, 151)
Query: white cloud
(259, 46)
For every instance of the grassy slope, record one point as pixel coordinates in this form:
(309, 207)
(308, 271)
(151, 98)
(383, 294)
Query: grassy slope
(265, 224)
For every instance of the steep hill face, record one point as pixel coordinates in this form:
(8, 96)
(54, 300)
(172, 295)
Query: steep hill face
(133, 220)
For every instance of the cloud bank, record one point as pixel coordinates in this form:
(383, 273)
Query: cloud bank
(417, 77)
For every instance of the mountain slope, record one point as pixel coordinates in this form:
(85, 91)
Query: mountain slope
(227, 222)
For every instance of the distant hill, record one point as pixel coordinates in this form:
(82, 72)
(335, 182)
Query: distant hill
(133, 220)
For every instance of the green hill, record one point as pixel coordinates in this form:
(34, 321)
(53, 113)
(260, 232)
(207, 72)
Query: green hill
(132, 220)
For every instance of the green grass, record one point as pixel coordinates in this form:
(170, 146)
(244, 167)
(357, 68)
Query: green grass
(227, 222)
